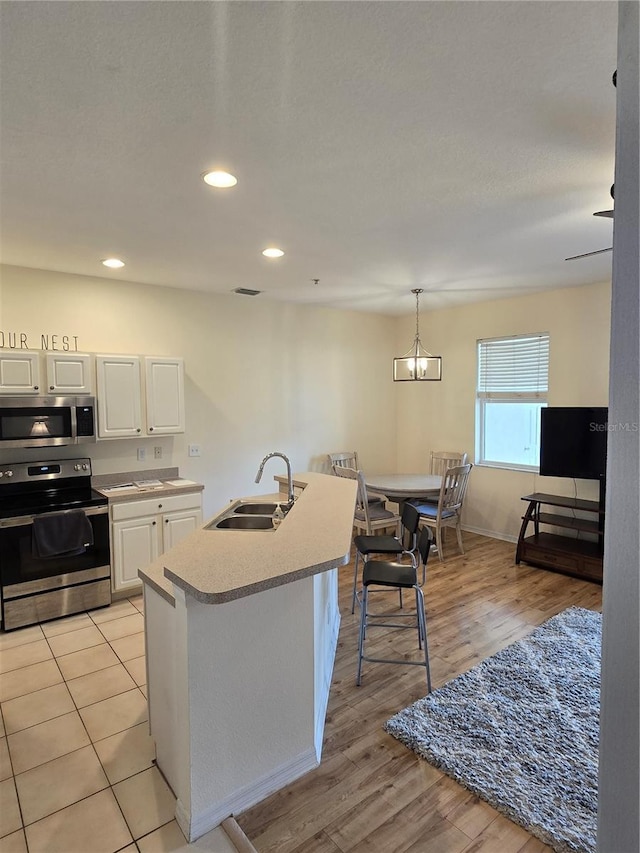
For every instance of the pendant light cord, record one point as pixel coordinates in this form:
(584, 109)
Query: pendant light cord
(417, 341)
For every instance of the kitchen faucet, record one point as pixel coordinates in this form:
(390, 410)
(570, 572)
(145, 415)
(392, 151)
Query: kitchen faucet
(289, 477)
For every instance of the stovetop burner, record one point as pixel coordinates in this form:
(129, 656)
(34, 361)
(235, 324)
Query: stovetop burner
(34, 488)
(14, 506)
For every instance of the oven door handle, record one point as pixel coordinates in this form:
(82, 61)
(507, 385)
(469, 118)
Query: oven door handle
(23, 520)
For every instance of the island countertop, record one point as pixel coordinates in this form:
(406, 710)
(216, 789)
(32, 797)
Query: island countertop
(216, 566)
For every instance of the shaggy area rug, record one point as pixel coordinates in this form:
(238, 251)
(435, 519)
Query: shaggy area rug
(520, 730)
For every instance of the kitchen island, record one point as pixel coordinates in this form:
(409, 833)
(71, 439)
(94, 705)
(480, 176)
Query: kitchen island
(241, 629)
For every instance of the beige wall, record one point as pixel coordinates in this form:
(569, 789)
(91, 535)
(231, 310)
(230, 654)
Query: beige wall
(260, 375)
(264, 376)
(441, 415)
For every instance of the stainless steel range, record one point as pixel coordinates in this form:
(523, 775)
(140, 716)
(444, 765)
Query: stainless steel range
(54, 542)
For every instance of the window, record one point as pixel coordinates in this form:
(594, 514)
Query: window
(512, 388)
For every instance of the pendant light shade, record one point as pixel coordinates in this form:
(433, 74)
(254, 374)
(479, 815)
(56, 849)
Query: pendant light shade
(418, 364)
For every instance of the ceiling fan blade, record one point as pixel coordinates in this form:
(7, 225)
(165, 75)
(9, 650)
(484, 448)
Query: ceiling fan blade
(608, 214)
(588, 254)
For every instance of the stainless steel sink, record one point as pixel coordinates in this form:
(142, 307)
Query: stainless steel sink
(245, 522)
(250, 515)
(257, 509)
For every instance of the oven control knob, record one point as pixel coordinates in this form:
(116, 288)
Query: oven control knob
(85, 467)
(76, 467)
(8, 473)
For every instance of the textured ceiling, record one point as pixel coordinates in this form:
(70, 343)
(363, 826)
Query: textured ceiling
(460, 147)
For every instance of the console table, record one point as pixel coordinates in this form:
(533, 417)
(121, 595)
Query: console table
(566, 554)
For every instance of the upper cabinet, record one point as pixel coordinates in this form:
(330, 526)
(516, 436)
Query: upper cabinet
(119, 396)
(121, 413)
(164, 385)
(68, 373)
(64, 373)
(136, 395)
(20, 372)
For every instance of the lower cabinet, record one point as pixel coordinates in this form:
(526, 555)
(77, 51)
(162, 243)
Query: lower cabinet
(142, 530)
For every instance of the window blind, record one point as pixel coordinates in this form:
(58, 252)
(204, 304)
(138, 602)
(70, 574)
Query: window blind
(513, 367)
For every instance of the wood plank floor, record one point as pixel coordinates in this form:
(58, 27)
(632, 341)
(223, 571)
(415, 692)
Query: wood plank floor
(372, 794)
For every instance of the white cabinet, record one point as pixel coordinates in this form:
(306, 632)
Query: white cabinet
(20, 372)
(64, 373)
(68, 373)
(142, 530)
(119, 396)
(121, 413)
(136, 543)
(177, 525)
(164, 385)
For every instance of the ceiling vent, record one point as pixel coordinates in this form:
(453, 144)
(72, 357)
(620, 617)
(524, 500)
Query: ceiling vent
(245, 291)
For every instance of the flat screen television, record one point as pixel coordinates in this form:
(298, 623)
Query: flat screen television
(573, 442)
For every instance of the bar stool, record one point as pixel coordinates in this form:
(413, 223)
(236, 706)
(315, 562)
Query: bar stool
(392, 546)
(382, 573)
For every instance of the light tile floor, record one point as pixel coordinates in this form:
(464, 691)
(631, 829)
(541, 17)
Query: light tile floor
(77, 771)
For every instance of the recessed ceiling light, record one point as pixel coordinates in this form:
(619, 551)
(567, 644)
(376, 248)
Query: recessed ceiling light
(273, 253)
(113, 263)
(220, 179)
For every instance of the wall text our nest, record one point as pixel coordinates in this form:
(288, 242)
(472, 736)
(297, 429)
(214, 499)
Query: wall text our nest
(54, 343)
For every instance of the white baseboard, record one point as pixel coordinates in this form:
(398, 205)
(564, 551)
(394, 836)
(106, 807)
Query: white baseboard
(199, 824)
(183, 818)
(492, 534)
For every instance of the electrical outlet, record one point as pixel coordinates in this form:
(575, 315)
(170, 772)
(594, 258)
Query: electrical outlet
(142, 454)
(157, 453)
(194, 450)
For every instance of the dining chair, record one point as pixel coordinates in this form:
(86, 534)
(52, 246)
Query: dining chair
(439, 462)
(383, 574)
(442, 459)
(349, 459)
(366, 545)
(448, 510)
(368, 516)
(344, 459)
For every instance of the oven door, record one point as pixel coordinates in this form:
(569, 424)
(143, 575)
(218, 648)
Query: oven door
(36, 589)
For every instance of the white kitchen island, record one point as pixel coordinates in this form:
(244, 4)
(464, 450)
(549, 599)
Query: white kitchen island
(241, 629)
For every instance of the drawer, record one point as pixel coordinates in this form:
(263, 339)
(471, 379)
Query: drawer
(554, 559)
(31, 609)
(153, 506)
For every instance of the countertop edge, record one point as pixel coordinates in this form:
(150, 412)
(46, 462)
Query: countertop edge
(164, 593)
(251, 589)
(148, 494)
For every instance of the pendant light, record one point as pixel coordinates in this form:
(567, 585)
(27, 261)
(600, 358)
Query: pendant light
(417, 364)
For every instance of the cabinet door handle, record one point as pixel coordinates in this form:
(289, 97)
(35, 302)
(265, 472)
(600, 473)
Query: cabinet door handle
(159, 506)
(138, 429)
(51, 387)
(36, 387)
(150, 429)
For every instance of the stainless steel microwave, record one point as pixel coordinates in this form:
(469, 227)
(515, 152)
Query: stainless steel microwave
(46, 421)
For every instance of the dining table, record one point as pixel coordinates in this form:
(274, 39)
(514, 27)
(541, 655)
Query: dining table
(400, 487)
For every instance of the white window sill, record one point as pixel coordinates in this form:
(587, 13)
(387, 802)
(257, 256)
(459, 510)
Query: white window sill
(505, 466)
